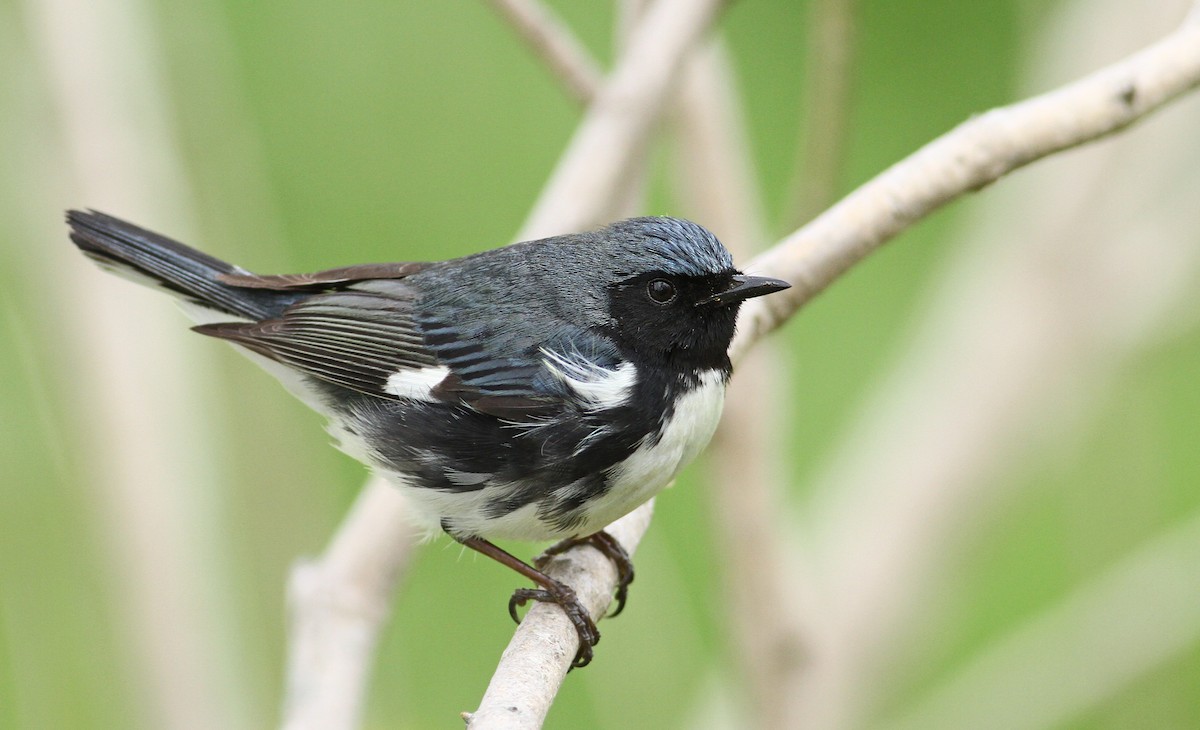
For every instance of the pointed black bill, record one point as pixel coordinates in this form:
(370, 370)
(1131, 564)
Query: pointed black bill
(742, 287)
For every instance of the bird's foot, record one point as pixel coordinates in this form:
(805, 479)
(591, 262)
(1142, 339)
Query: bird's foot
(564, 596)
(606, 544)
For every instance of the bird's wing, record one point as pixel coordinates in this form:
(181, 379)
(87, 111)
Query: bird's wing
(370, 337)
(353, 338)
(322, 279)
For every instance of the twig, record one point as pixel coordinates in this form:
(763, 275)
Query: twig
(747, 509)
(987, 146)
(554, 42)
(583, 188)
(150, 470)
(533, 665)
(828, 76)
(1032, 320)
(671, 28)
(337, 607)
(976, 153)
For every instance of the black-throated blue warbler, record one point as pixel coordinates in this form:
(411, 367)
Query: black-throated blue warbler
(532, 392)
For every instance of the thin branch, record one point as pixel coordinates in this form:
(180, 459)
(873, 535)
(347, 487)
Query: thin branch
(537, 659)
(329, 693)
(338, 605)
(828, 76)
(975, 154)
(582, 191)
(545, 33)
(1094, 106)
(719, 191)
(150, 471)
(585, 187)
(1033, 318)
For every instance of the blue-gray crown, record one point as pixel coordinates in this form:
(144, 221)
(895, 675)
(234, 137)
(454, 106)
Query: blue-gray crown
(679, 247)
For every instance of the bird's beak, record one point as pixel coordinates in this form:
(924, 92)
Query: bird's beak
(742, 287)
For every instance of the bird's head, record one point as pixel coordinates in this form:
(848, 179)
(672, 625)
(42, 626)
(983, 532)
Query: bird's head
(673, 292)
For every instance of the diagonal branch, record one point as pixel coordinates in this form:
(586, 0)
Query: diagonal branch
(969, 157)
(583, 191)
(973, 155)
(336, 613)
(554, 43)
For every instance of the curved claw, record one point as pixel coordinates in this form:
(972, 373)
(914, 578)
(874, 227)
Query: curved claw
(562, 596)
(613, 550)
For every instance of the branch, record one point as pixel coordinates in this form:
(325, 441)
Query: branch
(537, 659)
(746, 491)
(582, 191)
(338, 605)
(912, 189)
(829, 73)
(555, 44)
(1034, 317)
(326, 682)
(975, 154)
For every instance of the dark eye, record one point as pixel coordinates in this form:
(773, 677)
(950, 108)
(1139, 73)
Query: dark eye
(661, 291)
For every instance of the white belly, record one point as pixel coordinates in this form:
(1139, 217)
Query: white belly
(633, 481)
(651, 468)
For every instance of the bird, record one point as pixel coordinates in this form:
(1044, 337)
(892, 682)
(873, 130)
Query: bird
(537, 391)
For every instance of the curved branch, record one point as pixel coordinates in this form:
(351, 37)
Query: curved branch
(537, 659)
(974, 154)
(583, 190)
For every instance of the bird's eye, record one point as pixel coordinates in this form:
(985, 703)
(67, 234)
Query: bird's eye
(661, 291)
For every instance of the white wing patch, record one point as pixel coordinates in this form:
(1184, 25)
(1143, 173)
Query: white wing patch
(598, 386)
(415, 384)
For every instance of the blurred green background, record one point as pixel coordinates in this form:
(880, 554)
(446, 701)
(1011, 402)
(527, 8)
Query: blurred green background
(295, 136)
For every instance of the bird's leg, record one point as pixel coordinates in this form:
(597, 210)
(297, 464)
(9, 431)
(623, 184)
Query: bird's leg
(551, 591)
(606, 544)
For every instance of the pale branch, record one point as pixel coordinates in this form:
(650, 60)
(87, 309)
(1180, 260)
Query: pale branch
(1025, 328)
(829, 72)
(326, 685)
(337, 605)
(563, 53)
(615, 131)
(1070, 658)
(584, 189)
(151, 482)
(976, 153)
(537, 659)
(748, 517)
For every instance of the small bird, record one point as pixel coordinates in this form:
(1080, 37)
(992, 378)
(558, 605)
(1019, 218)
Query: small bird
(537, 391)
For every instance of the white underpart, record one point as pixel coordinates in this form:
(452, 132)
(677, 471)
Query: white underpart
(600, 387)
(415, 384)
(642, 475)
(649, 469)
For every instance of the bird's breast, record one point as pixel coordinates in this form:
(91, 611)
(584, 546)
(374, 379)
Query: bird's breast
(662, 454)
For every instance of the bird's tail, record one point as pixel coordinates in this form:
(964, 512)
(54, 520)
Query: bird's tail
(156, 260)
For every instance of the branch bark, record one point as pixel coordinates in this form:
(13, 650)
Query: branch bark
(586, 186)
(326, 683)
(968, 158)
(971, 156)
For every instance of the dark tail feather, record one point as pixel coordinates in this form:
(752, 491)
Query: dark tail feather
(186, 272)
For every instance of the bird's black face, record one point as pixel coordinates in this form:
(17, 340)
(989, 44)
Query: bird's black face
(682, 322)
